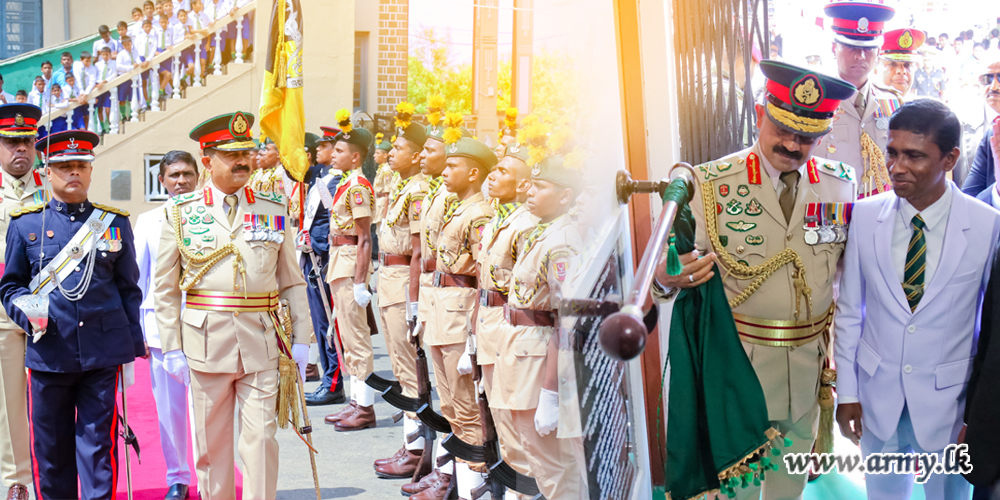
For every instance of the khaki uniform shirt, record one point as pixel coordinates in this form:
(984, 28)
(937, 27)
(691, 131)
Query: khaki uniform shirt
(458, 247)
(385, 178)
(496, 264)
(751, 228)
(432, 216)
(33, 193)
(353, 199)
(222, 341)
(843, 143)
(402, 221)
(544, 264)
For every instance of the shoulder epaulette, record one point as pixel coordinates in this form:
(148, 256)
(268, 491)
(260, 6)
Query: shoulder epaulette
(271, 196)
(836, 169)
(722, 167)
(113, 210)
(186, 197)
(37, 207)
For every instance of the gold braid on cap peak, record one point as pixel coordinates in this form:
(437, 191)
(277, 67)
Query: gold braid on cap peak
(404, 114)
(800, 123)
(454, 123)
(343, 118)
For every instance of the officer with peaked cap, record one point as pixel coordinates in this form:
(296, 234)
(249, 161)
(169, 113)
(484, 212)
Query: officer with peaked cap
(900, 57)
(776, 216)
(861, 123)
(80, 256)
(19, 186)
(232, 251)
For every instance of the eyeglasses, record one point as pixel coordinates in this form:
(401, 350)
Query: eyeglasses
(988, 78)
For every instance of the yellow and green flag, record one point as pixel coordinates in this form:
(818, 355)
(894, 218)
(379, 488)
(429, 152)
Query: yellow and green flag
(282, 110)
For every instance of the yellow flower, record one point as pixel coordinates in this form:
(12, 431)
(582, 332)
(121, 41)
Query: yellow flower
(343, 118)
(378, 137)
(434, 118)
(404, 114)
(435, 103)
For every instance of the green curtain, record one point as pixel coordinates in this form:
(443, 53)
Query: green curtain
(717, 423)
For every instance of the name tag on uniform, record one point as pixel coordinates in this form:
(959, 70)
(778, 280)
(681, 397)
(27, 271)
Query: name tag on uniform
(264, 228)
(111, 241)
(827, 222)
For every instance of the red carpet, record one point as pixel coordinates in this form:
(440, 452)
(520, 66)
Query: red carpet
(149, 478)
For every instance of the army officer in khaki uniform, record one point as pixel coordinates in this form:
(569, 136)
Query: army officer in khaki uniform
(233, 252)
(349, 270)
(776, 217)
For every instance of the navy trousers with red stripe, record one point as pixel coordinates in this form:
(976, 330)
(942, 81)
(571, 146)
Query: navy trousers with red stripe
(328, 358)
(74, 429)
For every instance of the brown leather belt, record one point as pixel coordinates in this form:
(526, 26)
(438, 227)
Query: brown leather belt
(444, 280)
(492, 298)
(428, 265)
(528, 317)
(388, 259)
(381, 195)
(337, 241)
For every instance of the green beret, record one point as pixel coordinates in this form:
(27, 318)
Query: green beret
(414, 133)
(311, 140)
(516, 150)
(437, 132)
(384, 146)
(468, 147)
(357, 136)
(553, 169)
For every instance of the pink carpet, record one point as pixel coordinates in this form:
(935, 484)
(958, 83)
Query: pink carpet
(149, 478)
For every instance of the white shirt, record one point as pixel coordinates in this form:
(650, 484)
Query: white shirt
(145, 45)
(106, 70)
(199, 20)
(134, 30)
(182, 4)
(126, 61)
(218, 10)
(178, 32)
(37, 98)
(147, 243)
(164, 38)
(935, 222)
(100, 44)
(86, 77)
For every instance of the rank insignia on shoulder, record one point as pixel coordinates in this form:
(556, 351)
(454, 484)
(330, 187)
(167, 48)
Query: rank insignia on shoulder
(846, 172)
(722, 167)
(827, 222)
(829, 166)
(741, 226)
(753, 169)
(707, 170)
(812, 171)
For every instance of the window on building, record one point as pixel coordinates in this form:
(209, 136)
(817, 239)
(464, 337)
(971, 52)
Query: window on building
(22, 27)
(361, 72)
(154, 190)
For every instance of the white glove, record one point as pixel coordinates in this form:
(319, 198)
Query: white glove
(547, 413)
(300, 353)
(465, 362)
(175, 364)
(361, 294)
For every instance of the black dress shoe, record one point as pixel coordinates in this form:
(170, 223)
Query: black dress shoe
(177, 492)
(325, 397)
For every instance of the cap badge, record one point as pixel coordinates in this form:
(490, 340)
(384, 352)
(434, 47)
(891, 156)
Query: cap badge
(863, 25)
(72, 143)
(516, 147)
(807, 91)
(454, 148)
(536, 171)
(906, 41)
(18, 120)
(239, 125)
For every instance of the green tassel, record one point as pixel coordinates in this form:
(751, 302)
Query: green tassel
(745, 484)
(756, 481)
(731, 493)
(765, 461)
(774, 467)
(753, 466)
(788, 442)
(674, 266)
(775, 451)
(747, 477)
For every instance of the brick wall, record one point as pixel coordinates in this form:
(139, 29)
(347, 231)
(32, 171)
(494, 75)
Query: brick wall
(393, 32)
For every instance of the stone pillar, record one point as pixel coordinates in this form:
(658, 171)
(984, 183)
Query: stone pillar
(393, 57)
(484, 69)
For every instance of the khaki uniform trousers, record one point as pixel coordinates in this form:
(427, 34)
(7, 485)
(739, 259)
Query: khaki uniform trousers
(457, 393)
(510, 445)
(216, 396)
(352, 320)
(556, 464)
(15, 454)
(401, 352)
(779, 484)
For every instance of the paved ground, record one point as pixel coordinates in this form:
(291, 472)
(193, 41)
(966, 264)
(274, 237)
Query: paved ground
(345, 459)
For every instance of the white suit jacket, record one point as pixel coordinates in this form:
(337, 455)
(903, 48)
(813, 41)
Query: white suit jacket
(147, 243)
(887, 356)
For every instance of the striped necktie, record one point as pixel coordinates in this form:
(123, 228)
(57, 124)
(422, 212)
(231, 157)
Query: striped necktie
(916, 264)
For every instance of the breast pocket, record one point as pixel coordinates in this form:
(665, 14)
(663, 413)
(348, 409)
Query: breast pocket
(265, 257)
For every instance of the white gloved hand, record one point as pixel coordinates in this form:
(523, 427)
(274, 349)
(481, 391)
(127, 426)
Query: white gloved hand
(361, 294)
(547, 413)
(175, 364)
(465, 362)
(300, 353)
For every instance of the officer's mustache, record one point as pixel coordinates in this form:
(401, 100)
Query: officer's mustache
(241, 168)
(781, 150)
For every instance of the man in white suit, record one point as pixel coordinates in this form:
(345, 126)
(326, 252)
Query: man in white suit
(916, 266)
(178, 175)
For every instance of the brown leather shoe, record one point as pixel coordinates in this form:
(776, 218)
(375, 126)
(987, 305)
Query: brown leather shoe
(437, 491)
(402, 468)
(17, 492)
(312, 373)
(362, 418)
(386, 461)
(423, 484)
(345, 411)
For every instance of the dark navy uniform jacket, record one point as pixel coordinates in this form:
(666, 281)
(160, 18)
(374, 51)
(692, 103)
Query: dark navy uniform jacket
(319, 232)
(100, 330)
